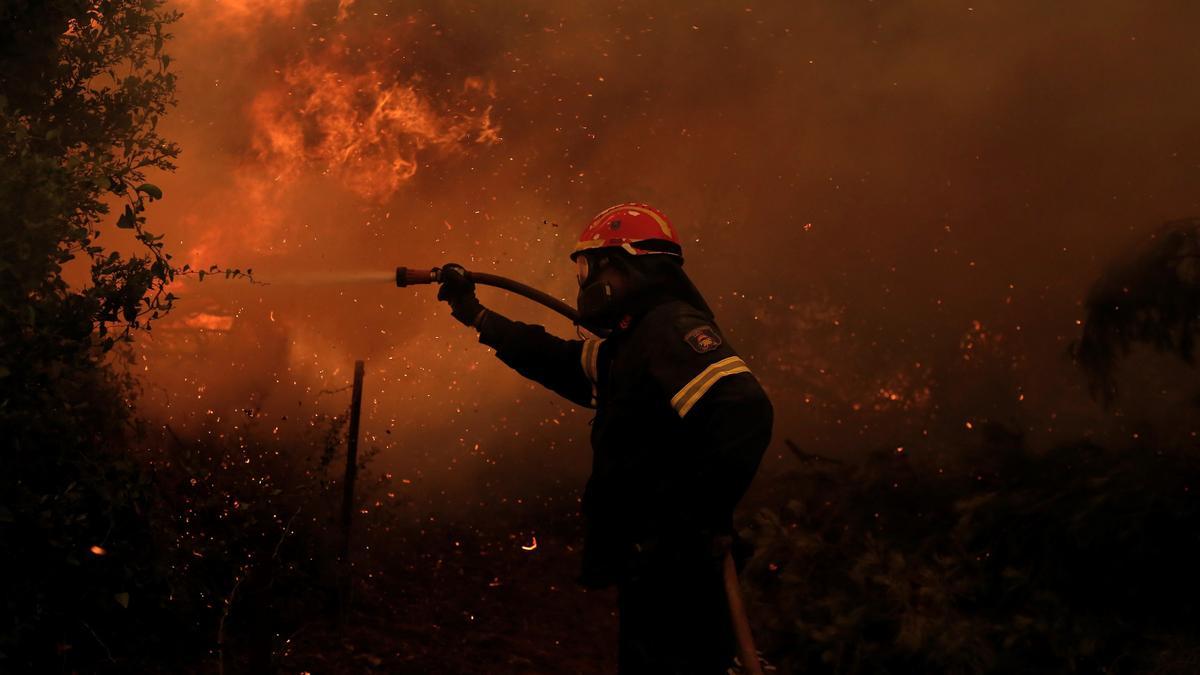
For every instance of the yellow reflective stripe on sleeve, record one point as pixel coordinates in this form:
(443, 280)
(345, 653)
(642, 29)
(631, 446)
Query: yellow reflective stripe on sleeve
(595, 365)
(583, 358)
(693, 391)
(589, 360)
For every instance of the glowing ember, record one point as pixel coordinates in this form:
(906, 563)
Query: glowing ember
(97, 550)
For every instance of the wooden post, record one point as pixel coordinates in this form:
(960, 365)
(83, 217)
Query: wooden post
(348, 484)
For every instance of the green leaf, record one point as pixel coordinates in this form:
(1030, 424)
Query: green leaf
(150, 189)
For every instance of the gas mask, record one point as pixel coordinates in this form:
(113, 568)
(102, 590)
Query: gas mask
(606, 283)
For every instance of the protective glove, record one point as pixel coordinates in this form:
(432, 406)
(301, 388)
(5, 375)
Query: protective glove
(458, 291)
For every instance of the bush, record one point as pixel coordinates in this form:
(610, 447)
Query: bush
(1081, 558)
(91, 580)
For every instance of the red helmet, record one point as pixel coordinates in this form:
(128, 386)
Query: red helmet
(638, 228)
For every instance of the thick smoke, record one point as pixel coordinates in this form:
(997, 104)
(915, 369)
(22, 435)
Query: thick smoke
(895, 208)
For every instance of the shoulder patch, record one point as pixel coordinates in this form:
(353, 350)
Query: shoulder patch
(703, 339)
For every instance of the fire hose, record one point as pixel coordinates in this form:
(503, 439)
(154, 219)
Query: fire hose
(408, 277)
(737, 609)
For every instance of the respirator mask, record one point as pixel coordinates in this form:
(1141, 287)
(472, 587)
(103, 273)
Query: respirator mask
(607, 281)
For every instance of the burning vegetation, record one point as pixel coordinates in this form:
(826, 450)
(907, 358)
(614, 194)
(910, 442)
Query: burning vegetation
(904, 216)
(361, 128)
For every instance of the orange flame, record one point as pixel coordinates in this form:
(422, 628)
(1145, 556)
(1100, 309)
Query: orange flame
(242, 15)
(365, 128)
(209, 321)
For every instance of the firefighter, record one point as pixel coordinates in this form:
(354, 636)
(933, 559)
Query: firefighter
(680, 427)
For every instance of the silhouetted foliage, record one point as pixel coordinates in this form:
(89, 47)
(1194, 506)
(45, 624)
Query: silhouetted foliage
(1080, 559)
(1152, 298)
(89, 579)
(82, 85)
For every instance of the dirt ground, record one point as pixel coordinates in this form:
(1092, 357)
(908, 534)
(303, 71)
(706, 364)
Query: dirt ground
(451, 601)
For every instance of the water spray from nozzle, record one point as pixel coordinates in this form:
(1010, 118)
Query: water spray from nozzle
(324, 278)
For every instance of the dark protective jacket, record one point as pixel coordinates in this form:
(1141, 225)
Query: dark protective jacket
(680, 427)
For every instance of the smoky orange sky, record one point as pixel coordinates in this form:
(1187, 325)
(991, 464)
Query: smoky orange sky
(895, 208)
